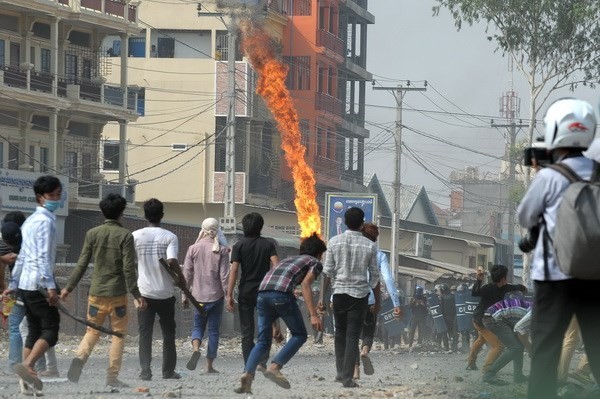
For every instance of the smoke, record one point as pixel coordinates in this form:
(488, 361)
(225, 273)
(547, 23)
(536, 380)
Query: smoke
(272, 72)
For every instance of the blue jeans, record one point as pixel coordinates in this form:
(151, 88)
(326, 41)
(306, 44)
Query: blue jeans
(272, 305)
(15, 351)
(212, 318)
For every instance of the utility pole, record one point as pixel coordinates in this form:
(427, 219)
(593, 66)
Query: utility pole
(398, 92)
(509, 107)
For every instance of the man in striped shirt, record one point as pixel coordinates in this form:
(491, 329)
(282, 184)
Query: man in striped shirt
(34, 269)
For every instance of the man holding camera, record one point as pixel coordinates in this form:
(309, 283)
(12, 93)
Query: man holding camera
(570, 126)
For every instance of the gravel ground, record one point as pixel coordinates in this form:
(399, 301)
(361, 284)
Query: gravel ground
(398, 374)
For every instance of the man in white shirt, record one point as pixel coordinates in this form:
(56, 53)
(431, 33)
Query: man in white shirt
(157, 288)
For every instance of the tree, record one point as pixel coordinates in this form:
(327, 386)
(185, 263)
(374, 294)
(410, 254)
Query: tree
(555, 44)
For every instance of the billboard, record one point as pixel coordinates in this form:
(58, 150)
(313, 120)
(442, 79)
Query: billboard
(338, 203)
(16, 191)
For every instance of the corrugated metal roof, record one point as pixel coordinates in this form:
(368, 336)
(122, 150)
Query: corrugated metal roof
(442, 265)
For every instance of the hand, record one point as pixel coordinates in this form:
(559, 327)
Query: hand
(479, 275)
(52, 297)
(9, 258)
(277, 335)
(375, 308)
(6, 294)
(229, 305)
(185, 302)
(140, 303)
(397, 312)
(64, 293)
(321, 310)
(315, 321)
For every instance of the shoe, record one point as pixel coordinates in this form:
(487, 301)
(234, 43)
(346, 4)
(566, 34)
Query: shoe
(494, 381)
(278, 378)
(116, 383)
(75, 370)
(245, 384)
(472, 366)
(337, 379)
(367, 365)
(49, 373)
(520, 379)
(174, 376)
(193, 362)
(350, 384)
(28, 377)
(145, 376)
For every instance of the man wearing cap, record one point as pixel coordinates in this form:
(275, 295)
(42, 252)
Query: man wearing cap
(157, 288)
(206, 271)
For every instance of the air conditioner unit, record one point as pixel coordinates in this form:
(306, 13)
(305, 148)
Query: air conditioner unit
(179, 147)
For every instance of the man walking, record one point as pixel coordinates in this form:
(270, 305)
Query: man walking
(33, 269)
(254, 255)
(206, 269)
(112, 248)
(157, 288)
(351, 266)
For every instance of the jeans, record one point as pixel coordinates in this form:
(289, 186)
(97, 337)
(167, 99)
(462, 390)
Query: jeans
(246, 307)
(555, 304)
(99, 308)
(165, 309)
(349, 315)
(513, 348)
(272, 305)
(15, 351)
(212, 319)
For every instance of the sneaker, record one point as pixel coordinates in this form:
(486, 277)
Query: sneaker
(145, 376)
(173, 376)
(277, 378)
(28, 377)
(367, 365)
(116, 383)
(350, 384)
(193, 362)
(75, 370)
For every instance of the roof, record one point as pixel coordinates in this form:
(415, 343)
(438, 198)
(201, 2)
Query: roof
(426, 275)
(440, 265)
(409, 196)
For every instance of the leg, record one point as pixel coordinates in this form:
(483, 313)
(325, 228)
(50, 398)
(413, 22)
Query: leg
(198, 331)
(356, 309)
(166, 314)
(145, 329)
(411, 332)
(214, 325)
(496, 347)
(51, 363)
(369, 326)
(587, 299)
(288, 311)
(246, 309)
(551, 317)
(340, 319)
(266, 317)
(119, 318)
(476, 348)
(570, 342)
(97, 313)
(513, 350)
(15, 353)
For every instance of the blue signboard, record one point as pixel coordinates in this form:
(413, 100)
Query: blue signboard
(338, 203)
(465, 305)
(435, 310)
(394, 326)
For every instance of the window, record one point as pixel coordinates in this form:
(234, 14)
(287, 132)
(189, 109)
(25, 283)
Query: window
(71, 68)
(137, 47)
(45, 60)
(15, 54)
(44, 159)
(166, 47)
(71, 164)
(32, 55)
(111, 155)
(297, 7)
(40, 122)
(299, 73)
(1, 155)
(78, 38)
(31, 159)
(8, 22)
(87, 69)
(141, 102)
(13, 156)
(330, 77)
(79, 128)
(481, 260)
(2, 52)
(9, 118)
(305, 132)
(41, 30)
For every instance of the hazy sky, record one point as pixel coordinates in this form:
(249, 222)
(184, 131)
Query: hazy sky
(408, 42)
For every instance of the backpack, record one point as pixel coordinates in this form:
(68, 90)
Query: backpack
(576, 241)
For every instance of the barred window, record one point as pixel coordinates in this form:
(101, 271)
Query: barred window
(299, 73)
(297, 7)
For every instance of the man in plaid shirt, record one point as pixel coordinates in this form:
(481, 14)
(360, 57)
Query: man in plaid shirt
(276, 300)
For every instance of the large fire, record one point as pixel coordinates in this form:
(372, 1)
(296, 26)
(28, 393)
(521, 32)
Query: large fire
(271, 86)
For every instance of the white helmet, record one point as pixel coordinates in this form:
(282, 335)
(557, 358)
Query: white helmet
(569, 123)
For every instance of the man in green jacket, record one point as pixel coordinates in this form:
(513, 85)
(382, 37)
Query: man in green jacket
(112, 249)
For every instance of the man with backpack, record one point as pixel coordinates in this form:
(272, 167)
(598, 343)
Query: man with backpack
(570, 126)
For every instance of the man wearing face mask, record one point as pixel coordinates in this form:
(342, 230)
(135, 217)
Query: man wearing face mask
(35, 268)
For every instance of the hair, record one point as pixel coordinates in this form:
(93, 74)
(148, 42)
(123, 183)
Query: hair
(498, 272)
(153, 210)
(354, 218)
(370, 230)
(112, 206)
(313, 246)
(46, 184)
(16, 217)
(252, 223)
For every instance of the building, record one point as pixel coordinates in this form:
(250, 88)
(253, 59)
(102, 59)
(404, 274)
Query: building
(54, 102)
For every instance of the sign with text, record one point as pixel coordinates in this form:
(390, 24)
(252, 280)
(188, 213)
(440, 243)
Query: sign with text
(435, 310)
(394, 326)
(16, 191)
(465, 306)
(338, 203)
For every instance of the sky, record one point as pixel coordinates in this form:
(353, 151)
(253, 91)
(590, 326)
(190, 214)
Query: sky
(465, 79)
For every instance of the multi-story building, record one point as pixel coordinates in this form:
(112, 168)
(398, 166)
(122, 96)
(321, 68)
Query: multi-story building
(54, 102)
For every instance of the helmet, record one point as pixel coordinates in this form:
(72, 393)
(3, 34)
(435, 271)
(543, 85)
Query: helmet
(569, 123)
(418, 290)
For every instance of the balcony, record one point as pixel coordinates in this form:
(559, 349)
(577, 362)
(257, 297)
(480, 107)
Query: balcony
(330, 41)
(112, 8)
(93, 192)
(328, 171)
(325, 102)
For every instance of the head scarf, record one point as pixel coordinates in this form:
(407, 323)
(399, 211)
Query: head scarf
(210, 226)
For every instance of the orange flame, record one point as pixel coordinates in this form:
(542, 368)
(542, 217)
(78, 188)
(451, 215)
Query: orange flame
(271, 86)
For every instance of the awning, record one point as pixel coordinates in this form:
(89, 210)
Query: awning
(438, 264)
(426, 275)
(283, 239)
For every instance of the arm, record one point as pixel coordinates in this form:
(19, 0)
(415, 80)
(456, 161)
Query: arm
(172, 253)
(130, 266)
(534, 202)
(476, 290)
(324, 300)
(82, 264)
(374, 275)
(386, 276)
(377, 306)
(274, 261)
(233, 272)
(224, 269)
(188, 268)
(306, 286)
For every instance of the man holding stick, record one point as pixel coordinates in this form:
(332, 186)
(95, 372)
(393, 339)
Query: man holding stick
(112, 248)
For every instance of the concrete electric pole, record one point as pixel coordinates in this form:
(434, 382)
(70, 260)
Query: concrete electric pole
(398, 92)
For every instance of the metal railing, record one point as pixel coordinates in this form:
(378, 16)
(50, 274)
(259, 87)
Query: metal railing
(325, 102)
(330, 41)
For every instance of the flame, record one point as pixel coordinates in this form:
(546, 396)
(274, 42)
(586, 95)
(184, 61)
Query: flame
(272, 73)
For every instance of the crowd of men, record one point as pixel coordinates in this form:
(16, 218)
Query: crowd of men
(144, 263)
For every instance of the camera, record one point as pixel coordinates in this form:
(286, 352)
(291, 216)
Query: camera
(536, 152)
(528, 243)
